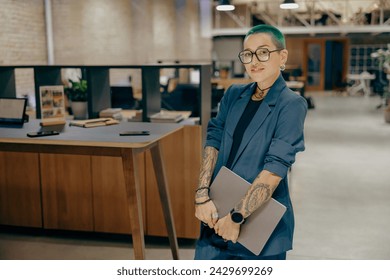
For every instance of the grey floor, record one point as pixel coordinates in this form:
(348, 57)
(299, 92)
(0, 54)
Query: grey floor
(340, 188)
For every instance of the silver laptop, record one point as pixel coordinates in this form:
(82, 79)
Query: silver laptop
(12, 111)
(226, 191)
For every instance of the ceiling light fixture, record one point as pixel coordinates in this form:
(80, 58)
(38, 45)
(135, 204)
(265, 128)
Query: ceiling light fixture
(289, 5)
(224, 5)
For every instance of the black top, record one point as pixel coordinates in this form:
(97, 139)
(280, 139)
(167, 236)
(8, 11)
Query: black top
(249, 112)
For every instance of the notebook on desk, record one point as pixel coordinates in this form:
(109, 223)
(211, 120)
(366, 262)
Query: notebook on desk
(94, 122)
(12, 112)
(226, 191)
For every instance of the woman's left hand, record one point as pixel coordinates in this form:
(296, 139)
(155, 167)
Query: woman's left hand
(227, 229)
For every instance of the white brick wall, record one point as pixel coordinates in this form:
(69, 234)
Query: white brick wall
(22, 39)
(92, 32)
(127, 32)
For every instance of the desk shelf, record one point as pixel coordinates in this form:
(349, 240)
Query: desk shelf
(98, 79)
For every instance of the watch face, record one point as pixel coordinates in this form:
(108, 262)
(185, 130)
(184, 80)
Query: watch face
(237, 217)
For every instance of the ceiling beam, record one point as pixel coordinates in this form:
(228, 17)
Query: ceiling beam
(268, 19)
(330, 14)
(310, 30)
(236, 19)
(301, 19)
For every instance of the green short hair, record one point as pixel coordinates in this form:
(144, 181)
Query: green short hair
(276, 36)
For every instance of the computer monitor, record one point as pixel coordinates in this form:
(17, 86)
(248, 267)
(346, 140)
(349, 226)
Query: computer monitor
(122, 97)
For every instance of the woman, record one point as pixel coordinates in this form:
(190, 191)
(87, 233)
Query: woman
(256, 134)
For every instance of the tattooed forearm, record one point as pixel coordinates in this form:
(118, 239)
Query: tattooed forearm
(208, 164)
(258, 193)
(201, 193)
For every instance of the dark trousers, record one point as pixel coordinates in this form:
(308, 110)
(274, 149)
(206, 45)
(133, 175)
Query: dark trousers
(207, 251)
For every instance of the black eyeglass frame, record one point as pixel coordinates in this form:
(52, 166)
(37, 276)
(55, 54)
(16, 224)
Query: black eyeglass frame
(254, 53)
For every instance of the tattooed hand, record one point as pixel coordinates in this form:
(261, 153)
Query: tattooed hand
(205, 209)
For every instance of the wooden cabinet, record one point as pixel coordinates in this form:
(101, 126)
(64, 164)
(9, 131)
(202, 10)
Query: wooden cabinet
(20, 194)
(66, 191)
(110, 209)
(182, 154)
(87, 193)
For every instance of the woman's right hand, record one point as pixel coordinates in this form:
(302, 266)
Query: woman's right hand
(207, 213)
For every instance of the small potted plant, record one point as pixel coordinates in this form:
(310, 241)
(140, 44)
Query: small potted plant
(77, 95)
(383, 57)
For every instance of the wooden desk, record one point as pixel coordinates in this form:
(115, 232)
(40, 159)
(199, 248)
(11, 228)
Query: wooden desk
(226, 83)
(297, 86)
(105, 141)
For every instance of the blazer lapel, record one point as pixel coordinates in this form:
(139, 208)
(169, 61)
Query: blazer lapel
(260, 116)
(234, 116)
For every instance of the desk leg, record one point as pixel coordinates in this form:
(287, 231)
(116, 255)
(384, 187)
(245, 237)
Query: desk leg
(356, 88)
(164, 198)
(366, 87)
(131, 174)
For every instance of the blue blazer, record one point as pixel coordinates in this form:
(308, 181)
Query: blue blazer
(270, 142)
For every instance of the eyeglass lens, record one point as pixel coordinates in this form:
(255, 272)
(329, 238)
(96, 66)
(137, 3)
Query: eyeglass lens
(262, 55)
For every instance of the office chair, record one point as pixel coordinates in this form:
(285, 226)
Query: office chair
(183, 98)
(122, 97)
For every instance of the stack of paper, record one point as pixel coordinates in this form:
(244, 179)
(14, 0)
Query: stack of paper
(170, 116)
(94, 122)
(166, 117)
(115, 113)
(132, 115)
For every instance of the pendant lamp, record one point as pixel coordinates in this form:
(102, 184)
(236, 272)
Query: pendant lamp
(289, 4)
(224, 5)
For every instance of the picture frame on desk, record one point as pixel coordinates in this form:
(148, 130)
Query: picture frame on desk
(52, 104)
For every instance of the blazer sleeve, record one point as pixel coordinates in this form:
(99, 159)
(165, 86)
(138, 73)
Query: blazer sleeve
(216, 125)
(288, 138)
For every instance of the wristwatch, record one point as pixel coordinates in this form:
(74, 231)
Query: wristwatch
(237, 217)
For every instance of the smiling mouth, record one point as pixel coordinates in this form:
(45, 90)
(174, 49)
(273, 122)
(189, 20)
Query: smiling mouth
(257, 69)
